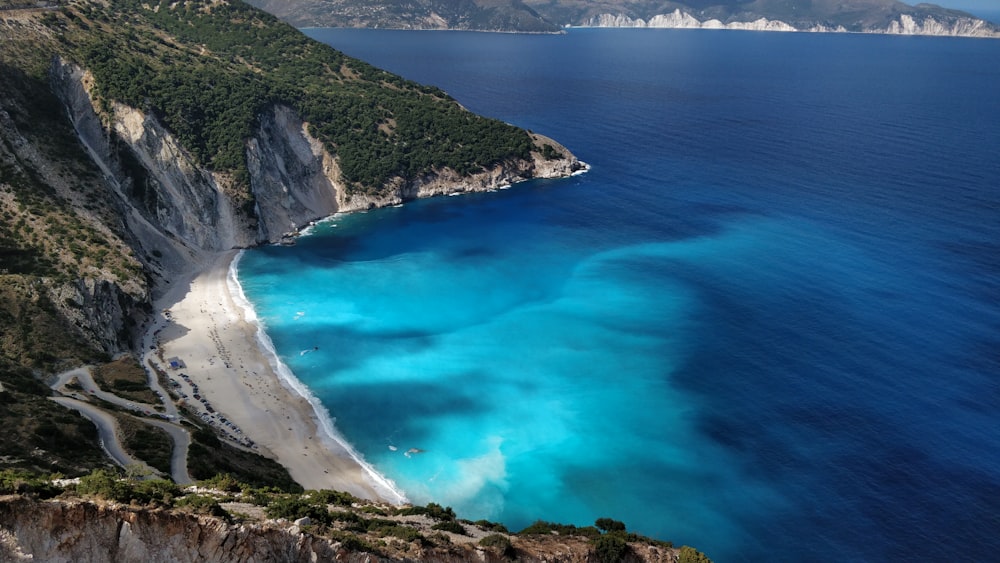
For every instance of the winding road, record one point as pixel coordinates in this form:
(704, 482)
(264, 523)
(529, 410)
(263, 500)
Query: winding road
(107, 426)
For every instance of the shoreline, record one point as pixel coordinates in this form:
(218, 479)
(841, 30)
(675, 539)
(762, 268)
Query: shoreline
(235, 382)
(242, 398)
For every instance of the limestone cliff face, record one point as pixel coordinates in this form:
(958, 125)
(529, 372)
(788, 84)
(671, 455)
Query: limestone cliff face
(903, 24)
(107, 311)
(70, 531)
(65, 532)
(682, 20)
(962, 27)
(294, 179)
(176, 210)
(173, 210)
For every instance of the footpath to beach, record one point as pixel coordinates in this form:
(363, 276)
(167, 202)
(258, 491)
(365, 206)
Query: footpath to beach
(201, 339)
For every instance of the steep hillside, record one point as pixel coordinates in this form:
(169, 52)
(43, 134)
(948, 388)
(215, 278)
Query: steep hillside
(137, 139)
(484, 15)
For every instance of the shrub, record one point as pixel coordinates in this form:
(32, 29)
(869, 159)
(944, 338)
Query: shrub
(541, 527)
(609, 525)
(353, 521)
(103, 484)
(14, 481)
(202, 504)
(351, 542)
(405, 533)
(492, 526)
(223, 482)
(500, 543)
(450, 526)
(412, 511)
(692, 555)
(538, 527)
(610, 548)
(433, 510)
(160, 490)
(439, 538)
(294, 507)
(339, 498)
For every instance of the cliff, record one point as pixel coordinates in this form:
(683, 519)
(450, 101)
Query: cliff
(176, 209)
(916, 23)
(857, 16)
(64, 531)
(136, 140)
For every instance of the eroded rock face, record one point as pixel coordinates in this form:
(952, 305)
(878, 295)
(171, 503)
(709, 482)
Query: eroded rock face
(294, 179)
(178, 209)
(104, 308)
(67, 532)
(60, 531)
(682, 20)
(903, 24)
(175, 212)
(961, 27)
(172, 210)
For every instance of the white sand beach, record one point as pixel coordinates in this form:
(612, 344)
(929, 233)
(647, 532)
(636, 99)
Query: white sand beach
(199, 323)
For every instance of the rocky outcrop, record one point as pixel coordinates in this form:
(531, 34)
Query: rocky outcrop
(173, 211)
(294, 179)
(61, 531)
(682, 20)
(65, 532)
(107, 312)
(176, 209)
(960, 27)
(447, 181)
(903, 24)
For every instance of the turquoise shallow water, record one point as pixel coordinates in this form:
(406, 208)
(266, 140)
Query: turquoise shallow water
(764, 324)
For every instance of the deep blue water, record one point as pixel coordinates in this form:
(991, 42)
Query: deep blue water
(767, 323)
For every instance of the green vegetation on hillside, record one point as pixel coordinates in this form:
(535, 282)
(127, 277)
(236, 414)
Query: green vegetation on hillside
(210, 69)
(209, 456)
(359, 525)
(146, 442)
(40, 435)
(126, 378)
(55, 219)
(486, 15)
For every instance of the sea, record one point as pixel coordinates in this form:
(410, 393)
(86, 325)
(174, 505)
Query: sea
(766, 323)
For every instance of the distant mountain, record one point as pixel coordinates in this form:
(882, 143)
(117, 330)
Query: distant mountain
(858, 16)
(480, 15)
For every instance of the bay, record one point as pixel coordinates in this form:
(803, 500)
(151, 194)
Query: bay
(764, 324)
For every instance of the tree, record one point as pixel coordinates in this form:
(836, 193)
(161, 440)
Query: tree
(609, 525)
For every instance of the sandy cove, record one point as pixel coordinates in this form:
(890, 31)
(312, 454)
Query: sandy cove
(199, 322)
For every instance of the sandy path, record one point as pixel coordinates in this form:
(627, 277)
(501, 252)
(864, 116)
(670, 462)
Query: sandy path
(200, 324)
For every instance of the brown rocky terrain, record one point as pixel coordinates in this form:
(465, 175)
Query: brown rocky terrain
(61, 530)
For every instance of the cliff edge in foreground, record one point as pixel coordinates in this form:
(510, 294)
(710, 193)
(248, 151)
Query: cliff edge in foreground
(68, 530)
